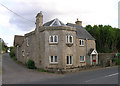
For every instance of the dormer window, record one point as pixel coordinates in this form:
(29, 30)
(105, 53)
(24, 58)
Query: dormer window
(81, 42)
(69, 39)
(53, 39)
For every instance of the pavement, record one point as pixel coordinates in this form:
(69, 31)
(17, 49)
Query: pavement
(14, 73)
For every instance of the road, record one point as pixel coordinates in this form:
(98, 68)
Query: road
(18, 74)
(13, 73)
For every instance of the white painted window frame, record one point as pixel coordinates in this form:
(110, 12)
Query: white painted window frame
(69, 60)
(68, 38)
(23, 52)
(82, 42)
(53, 38)
(53, 59)
(27, 42)
(83, 57)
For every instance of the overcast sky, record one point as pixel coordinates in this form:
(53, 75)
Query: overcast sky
(93, 12)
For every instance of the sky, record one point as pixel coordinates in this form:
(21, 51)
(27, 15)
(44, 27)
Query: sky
(93, 12)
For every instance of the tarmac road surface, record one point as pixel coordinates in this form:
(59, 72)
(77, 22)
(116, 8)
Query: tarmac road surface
(14, 73)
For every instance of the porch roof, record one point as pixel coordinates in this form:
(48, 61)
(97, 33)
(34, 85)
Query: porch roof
(92, 51)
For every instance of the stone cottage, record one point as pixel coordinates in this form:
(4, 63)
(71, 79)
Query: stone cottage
(55, 45)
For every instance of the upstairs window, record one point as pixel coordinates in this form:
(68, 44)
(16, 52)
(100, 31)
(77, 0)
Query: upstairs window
(69, 39)
(53, 39)
(23, 53)
(27, 42)
(53, 59)
(81, 42)
(82, 58)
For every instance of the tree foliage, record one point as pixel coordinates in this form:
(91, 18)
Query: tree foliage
(3, 46)
(107, 38)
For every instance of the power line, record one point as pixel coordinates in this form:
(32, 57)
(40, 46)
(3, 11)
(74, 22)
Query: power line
(16, 13)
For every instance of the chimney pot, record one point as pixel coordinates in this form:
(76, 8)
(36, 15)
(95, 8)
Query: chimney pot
(78, 22)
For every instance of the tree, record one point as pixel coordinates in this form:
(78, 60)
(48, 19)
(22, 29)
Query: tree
(3, 46)
(107, 38)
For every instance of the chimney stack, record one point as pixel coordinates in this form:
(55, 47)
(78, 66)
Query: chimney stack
(39, 20)
(78, 22)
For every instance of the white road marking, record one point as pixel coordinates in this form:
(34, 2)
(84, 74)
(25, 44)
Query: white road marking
(102, 77)
(112, 75)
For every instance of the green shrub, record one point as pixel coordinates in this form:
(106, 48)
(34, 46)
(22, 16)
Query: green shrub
(117, 61)
(12, 54)
(41, 70)
(31, 64)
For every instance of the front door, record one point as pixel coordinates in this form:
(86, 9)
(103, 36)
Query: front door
(94, 59)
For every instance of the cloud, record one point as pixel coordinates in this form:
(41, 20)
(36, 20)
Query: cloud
(89, 11)
(28, 11)
(63, 9)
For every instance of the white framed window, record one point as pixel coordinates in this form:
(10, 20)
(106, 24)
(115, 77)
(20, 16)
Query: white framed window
(27, 42)
(53, 39)
(23, 53)
(53, 59)
(81, 42)
(69, 39)
(82, 58)
(69, 60)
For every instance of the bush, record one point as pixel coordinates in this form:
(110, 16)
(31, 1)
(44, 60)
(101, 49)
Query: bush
(12, 54)
(117, 61)
(31, 64)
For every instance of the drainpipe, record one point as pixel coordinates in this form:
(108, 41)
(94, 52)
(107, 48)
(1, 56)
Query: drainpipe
(86, 52)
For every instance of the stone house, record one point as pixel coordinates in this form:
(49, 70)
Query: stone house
(55, 45)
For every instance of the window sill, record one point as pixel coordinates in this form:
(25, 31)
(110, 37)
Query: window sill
(53, 43)
(54, 63)
(69, 44)
(81, 45)
(69, 64)
(82, 61)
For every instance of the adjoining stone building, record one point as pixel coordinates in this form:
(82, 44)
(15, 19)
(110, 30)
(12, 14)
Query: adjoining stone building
(55, 45)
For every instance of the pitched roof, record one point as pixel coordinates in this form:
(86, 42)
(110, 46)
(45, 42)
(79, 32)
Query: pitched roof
(92, 51)
(54, 22)
(18, 40)
(81, 32)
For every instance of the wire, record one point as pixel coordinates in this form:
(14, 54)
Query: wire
(16, 13)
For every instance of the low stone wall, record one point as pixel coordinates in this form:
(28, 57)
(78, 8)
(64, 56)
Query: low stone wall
(106, 59)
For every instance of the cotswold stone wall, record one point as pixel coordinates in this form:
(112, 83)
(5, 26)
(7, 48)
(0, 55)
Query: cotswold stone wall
(105, 59)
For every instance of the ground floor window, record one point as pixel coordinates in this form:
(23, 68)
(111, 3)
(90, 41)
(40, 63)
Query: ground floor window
(53, 59)
(69, 59)
(82, 58)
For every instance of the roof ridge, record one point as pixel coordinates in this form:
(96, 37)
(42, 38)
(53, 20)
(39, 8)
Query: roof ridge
(54, 22)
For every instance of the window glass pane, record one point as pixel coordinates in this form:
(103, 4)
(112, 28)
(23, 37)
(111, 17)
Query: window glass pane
(23, 53)
(55, 38)
(70, 38)
(56, 59)
(27, 42)
(70, 59)
(80, 42)
(67, 38)
(67, 59)
(51, 58)
(81, 58)
(51, 38)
